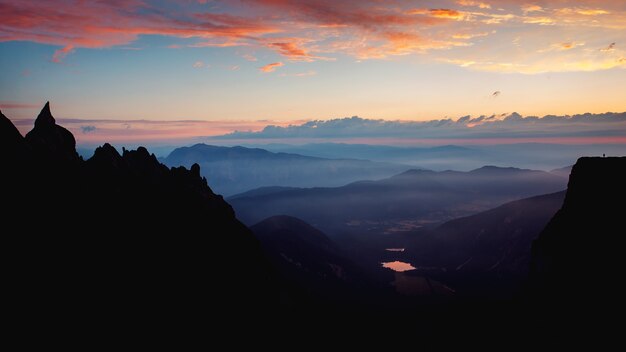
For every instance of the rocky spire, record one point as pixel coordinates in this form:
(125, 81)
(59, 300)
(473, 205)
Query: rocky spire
(45, 118)
(51, 140)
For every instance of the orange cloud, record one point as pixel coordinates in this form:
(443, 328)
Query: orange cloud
(447, 13)
(582, 11)
(271, 67)
(528, 8)
(291, 50)
(438, 13)
(482, 5)
(469, 35)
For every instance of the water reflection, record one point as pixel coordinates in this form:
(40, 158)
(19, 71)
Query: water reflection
(398, 266)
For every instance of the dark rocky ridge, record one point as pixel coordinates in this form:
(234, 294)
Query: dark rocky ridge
(581, 240)
(121, 234)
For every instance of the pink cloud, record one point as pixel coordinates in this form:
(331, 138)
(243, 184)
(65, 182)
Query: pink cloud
(95, 24)
(18, 105)
(271, 67)
(62, 53)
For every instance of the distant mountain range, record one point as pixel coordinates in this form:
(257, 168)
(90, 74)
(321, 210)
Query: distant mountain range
(232, 170)
(402, 203)
(535, 156)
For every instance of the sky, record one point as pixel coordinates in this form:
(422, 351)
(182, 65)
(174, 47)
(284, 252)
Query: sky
(157, 70)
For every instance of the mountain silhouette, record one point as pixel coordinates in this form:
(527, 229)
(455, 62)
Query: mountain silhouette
(307, 259)
(233, 170)
(121, 234)
(577, 261)
(580, 241)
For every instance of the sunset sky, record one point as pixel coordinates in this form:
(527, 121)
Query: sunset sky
(241, 65)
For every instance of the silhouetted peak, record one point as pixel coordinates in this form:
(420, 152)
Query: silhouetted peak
(143, 150)
(45, 118)
(413, 173)
(284, 225)
(490, 169)
(51, 140)
(195, 169)
(12, 143)
(8, 129)
(106, 152)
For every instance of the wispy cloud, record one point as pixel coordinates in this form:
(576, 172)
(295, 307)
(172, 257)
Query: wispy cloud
(480, 4)
(88, 129)
(271, 67)
(299, 74)
(62, 53)
(249, 57)
(12, 105)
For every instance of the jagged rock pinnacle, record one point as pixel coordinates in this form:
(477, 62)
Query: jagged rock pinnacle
(45, 117)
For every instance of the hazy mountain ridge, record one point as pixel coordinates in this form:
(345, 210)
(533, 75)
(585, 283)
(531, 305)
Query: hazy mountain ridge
(536, 156)
(406, 201)
(233, 170)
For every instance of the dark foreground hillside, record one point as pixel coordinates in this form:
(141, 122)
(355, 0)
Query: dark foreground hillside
(120, 235)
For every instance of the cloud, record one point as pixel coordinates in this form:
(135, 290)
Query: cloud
(447, 13)
(312, 30)
(12, 105)
(513, 126)
(611, 47)
(98, 24)
(291, 50)
(249, 57)
(469, 35)
(299, 74)
(198, 64)
(271, 67)
(88, 129)
(62, 53)
(140, 131)
(562, 46)
(582, 11)
(528, 8)
(482, 5)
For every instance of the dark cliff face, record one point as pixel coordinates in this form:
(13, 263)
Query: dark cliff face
(121, 230)
(578, 256)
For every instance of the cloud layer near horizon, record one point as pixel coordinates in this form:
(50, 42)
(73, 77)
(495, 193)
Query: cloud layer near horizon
(607, 127)
(587, 128)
